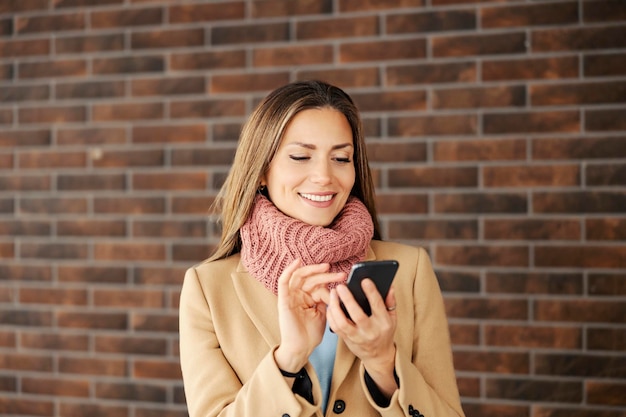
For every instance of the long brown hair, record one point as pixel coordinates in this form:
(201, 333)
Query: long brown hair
(259, 140)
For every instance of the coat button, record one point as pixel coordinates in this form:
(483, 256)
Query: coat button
(286, 415)
(339, 407)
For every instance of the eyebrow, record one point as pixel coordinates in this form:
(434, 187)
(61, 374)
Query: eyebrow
(312, 146)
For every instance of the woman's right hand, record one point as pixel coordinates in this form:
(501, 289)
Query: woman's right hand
(302, 299)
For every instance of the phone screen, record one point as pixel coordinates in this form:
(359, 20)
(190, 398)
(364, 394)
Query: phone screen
(381, 272)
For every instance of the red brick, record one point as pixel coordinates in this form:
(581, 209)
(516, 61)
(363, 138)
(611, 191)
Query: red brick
(530, 15)
(31, 407)
(478, 255)
(460, 98)
(92, 366)
(138, 158)
(432, 229)
(464, 334)
(126, 251)
(130, 345)
(56, 386)
(129, 205)
(468, 45)
(51, 23)
(579, 202)
(606, 393)
(287, 56)
(451, 281)
(111, 275)
(75, 409)
(53, 250)
(26, 47)
(382, 50)
(24, 93)
(578, 148)
(91, 227)
(54, 341)
(581, 256)
(26, 362)
(167, 39)
(26, 273)
(191, 204)
(241, 83)
(580, 311)
(347, 78)
(432, 125)
(532, 122)
(130, 392)
(607, 284)
(580, 364)
(126, 18)
(49, 69)
(60, 4)
(531, 176)
(534, 390)
(500, 362)
(190, 252)
(360, 26)
(207, 108)
(127, 298)
(17, 138)
(561, 411)
(129, 111)
(492, 409)
(154, 369)
(159, 276)
(76, 319)
(14, 6)
(396, 152)
(47, 159)
(604, 338)
(78, 182)
(170, 228)
(55, 296)
(530, 68)
(189, 13)
(606, 174)
(169, 134)
(6, 116)
(25, 183)
(611, 228)
(91, 136)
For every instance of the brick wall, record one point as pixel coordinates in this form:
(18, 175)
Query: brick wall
(497, 137)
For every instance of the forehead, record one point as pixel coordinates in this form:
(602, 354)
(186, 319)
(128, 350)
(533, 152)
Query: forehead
(318, 124)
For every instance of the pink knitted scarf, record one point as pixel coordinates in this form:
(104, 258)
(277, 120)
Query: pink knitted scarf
(271, 240)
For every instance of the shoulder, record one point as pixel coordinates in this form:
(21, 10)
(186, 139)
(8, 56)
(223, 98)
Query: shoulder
(394, 250)
(212, 271)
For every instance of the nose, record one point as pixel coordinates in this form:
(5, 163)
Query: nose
(321, 173)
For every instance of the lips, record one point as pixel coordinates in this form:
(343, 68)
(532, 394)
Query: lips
(319, 198)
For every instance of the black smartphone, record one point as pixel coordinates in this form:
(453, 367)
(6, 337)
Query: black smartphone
(381, 272)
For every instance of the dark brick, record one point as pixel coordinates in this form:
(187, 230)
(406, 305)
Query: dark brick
(249, 33)
(132, 65)
(606, 174)
(371, 5)
(126, 18)
(20, 406)
(89, 43)
(541, 337)
(208, 60)
(477, 255)
(188, 13)
(26, 47)
(53, 250)
(67, 114)
(11, 94)
(92, 366)
(25, 318)
(13, 6)
(91, 136)
(578, 39)
(606, 393)
(207, 108)
(531, 176)
(155, 322)
(579, 202)
(127, 251)
(55, 341)
(203, 157)
(169, 134)
(82, 182)
(347, 78)
(582, 364)
(388, 151)
(532, 122)
(91, 227)
(481, 203)
(603, 10)
(604, 338)
(501, 362)
(447, 20)
(130, 392)
(90, 89)
(168, 86)
(127, 111)
(458, 281)
(530, 68)
(480, 150)
(390, 101)
(578, 148)
(604, 120)
(533, 229)
(239, 83)
(56, 387)
(401, 203)
(494, 409)
(530, 15)
(431, 73)
(76, 409)
(461, 98)
(534, 283)
(277, 8)
(612, 285)
(432, 229)
(433, 177)
(287, 56)
(130, 205)
(52, 23)
(604, 65)
(24, 228)
(167, 39)
(468, 45)
(585, 93)
(486, 308)
(60, 4)
(534, 390)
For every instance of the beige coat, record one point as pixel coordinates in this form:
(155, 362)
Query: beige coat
(229, 331)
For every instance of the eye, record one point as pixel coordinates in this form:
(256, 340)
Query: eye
(298, 158)
(343, 160)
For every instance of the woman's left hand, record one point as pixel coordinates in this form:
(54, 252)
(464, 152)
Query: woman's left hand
(370, 338)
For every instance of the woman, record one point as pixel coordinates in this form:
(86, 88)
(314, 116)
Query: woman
(262, 330)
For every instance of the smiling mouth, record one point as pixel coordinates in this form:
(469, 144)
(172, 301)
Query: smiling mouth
(320, 198)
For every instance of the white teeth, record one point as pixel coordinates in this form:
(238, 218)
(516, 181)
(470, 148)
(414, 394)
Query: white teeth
(317, 197)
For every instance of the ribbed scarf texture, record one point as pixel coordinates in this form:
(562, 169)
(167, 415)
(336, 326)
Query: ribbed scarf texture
(271, 240)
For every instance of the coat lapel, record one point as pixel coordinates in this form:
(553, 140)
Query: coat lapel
(259, 303)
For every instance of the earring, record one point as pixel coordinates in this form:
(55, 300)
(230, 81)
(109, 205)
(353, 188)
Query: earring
(261, 188)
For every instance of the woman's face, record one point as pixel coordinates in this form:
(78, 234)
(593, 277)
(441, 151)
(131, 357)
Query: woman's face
(312, 173)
